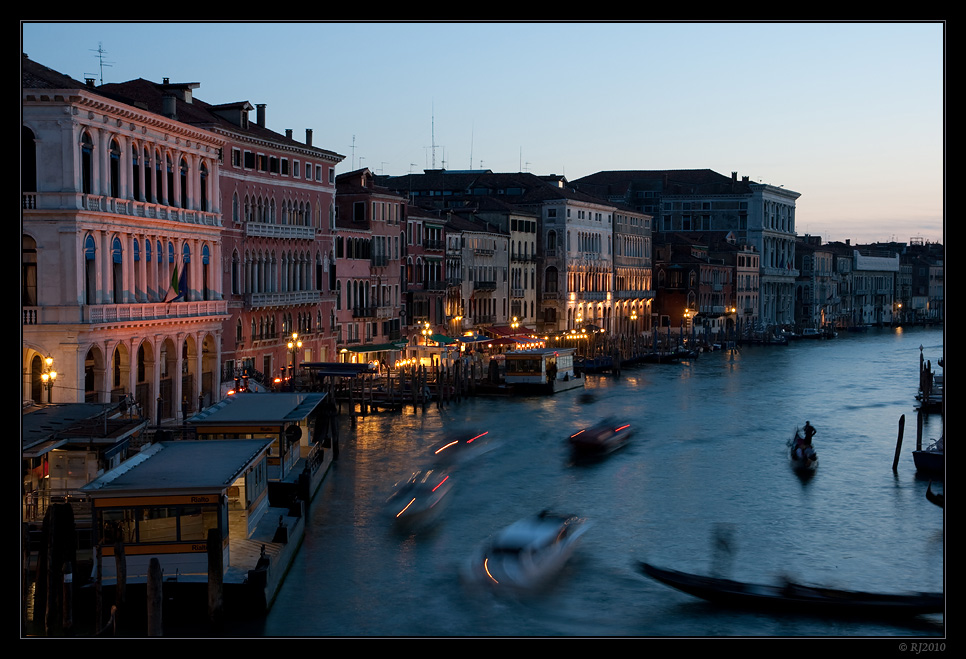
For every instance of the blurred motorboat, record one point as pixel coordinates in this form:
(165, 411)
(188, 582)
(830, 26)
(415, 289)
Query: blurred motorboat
(600, 439)
(418, 501)
(527, 553)
(458, 449)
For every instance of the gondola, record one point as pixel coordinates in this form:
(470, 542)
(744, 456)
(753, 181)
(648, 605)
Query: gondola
(804, 459)
(795, 597)
(933, 497)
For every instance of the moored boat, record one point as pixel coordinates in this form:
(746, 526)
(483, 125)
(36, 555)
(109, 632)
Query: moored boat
(931, 460)
(796, 597)
(527, 553)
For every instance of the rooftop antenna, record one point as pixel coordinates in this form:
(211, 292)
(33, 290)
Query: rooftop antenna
(353, 153)
(100, 57)
(433, 134)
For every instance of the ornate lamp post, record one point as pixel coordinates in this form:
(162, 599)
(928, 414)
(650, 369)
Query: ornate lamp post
(294, 345)
(48, 376)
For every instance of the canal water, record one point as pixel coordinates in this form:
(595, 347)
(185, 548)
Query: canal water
(708, 464)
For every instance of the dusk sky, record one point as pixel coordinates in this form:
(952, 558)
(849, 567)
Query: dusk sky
(849, 115)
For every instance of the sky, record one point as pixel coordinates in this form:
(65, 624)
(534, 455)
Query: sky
(848, 115)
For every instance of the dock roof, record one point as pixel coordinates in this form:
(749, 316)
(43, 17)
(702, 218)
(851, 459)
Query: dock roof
(259, 409)
(184, 466)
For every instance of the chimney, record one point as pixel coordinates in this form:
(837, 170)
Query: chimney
(734, 177)
(90, 82)
(308, 137)
(261, 114)
(169, 103)
(288, 133)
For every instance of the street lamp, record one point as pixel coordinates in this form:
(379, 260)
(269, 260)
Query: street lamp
(48, 376)
(294, 344)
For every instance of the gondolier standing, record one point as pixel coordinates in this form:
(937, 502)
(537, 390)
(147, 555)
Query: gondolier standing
(809, 433)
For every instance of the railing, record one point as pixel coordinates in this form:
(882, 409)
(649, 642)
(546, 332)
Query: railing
(130, 207)
(284, 298)
(262, 229)
(484, 285)
(36, 503)
(110, 313)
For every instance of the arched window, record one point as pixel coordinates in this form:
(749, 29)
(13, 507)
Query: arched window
(117, 263)
(205, 258)
(115, 169)
(148, 178)
(136, 172)
(87, 164)
(136, 254)
(186, 273)
(203, 188)
(90, 270)
(550, 280)
(235, 273)
(28, 160)
(183, 182)
(28, 265)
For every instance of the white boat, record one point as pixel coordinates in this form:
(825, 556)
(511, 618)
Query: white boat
(528, 553)
(811, 333)
(418, 501)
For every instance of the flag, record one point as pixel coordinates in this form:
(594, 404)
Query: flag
(178, 286)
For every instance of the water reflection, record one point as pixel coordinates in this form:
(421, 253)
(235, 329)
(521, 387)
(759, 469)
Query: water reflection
(710, 452)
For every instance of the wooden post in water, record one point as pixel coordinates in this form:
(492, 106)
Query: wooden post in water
(67, 613)
(919, 429)
(216, 577)
(895, 461)
(120, 586)
(154, 587)
(98, 588)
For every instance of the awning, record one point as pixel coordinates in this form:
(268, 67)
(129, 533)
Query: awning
(377, 347)
(474, 339)
(446, 340)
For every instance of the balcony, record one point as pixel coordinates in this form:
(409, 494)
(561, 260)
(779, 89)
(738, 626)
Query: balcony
(129, 207)
(484, 285)
(287, 231)
(260, 300)
(111, 313)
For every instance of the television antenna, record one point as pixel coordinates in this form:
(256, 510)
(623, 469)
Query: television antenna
(101, 61)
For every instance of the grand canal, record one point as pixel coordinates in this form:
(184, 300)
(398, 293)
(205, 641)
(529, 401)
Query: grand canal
(709, 460)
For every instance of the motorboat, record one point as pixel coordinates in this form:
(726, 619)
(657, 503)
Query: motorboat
(605, 437)
(796, 597)
(458, 449)
(418, 501)
(527, 553)
(812, 333)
